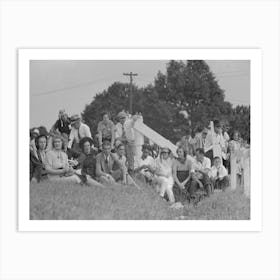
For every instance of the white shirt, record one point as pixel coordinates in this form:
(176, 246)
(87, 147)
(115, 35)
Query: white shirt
(221, 169)
(216, 143)
(78, 134)
(205, 164)
(125, 130)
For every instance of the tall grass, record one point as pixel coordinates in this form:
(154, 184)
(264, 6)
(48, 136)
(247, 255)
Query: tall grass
(75, 202)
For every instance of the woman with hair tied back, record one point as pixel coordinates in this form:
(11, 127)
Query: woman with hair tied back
(57, 164)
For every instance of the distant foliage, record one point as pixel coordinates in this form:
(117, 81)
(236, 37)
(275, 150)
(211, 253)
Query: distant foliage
(240, 120)
(186, 86)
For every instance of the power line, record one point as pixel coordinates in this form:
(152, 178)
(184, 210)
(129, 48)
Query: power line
(70, 87)
(131, 75)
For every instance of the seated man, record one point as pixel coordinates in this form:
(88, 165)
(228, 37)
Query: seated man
(219, 175)
(144, 165)
(104, 165)
(201, 168)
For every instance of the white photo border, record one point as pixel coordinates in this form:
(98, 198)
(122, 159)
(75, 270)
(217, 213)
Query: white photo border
(255, 57)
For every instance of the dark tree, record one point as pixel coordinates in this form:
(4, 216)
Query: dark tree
(186, 86)
(191, 86)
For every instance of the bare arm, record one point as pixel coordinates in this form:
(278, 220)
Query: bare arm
(99, 171)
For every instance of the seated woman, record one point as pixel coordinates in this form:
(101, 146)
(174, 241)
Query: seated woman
(57, 164)
(104, 166)
(144, 165)
(182, 169)
(120, 154)
(219, 175)
(38, 159)
(163, 174)
(88, 163)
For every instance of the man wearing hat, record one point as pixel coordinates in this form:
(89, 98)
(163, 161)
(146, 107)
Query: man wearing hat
(215, 142)
(79, 130)
(125, 134)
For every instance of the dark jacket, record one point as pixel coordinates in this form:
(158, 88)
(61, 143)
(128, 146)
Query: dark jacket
(88, 164)
(37, 169)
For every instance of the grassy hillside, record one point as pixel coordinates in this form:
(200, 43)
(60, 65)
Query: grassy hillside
(77, 202)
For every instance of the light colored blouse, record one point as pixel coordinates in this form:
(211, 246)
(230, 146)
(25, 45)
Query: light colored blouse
(56, 159)
(164, 167)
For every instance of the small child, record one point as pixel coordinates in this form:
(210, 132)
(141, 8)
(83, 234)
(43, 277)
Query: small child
(219, 175)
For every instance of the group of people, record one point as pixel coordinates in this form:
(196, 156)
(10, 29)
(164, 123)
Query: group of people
(68, 154)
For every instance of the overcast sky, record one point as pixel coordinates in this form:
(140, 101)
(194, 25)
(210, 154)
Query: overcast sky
(70, 85)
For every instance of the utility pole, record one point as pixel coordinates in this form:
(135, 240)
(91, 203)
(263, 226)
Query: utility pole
(130, 87)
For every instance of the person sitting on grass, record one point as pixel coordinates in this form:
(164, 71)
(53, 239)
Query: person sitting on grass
(182, 168)
(144, 165)
(219, 175)
(202, 168)
(38, 160)
(163, 175)
(57, 165)
(104, 166)
(120, 154)
(88, 163)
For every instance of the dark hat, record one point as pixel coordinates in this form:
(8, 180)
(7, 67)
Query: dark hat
(84, 140)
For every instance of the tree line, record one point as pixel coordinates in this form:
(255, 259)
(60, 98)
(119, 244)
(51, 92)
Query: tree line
(188, 86)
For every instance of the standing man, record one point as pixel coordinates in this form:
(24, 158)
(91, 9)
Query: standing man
(215, 143)
(125, 134)
(79, 130)
(106, 130)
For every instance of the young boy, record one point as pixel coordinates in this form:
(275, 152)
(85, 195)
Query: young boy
(219, 175)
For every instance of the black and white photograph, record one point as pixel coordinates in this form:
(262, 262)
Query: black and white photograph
(139, 139)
